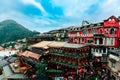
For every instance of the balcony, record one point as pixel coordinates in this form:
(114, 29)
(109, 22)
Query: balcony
(65, 63)
(81, 56)
(83, 65)
(74, 55)
(98, 35)
(98, 44)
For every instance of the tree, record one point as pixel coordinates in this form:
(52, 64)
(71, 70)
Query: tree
(14, 55)
(1, 71)
(53, 72)
(41, 72)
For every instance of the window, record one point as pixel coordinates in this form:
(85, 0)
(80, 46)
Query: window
(104, 50)
(84, 32)
(113, 62)
(110, 20)
(100, 31)
(106, 31)
(100, 40)
(93, 31)
(93, 50)
(90, 41)
(111, 41)
(105, 41)
(96, 50)
(100, 50)
(83, 39)
(112, 31)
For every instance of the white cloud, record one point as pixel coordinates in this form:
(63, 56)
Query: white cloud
(41, 24)
(74, 12)
(37, 4)
(76, 9)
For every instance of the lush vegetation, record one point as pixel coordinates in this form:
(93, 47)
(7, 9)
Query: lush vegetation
(42, 72)
(11, 31)
(14, 55)
(53, 72)
(1, 71)
(112, 60)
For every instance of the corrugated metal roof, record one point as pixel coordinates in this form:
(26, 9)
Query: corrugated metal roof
(10, 74)
(69, 45)
(3, 63)
(31, 54)
(43, 44)
(57, 44)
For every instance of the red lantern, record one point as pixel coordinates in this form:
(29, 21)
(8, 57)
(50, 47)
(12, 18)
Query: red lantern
(81, 70)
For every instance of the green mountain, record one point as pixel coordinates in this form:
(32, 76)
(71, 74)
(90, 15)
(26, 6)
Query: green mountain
(10, 30)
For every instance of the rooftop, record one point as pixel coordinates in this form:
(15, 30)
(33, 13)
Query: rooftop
(57, 44)
(9, 74)
(31, 54)
(16, 68)
(69, 45)
(3, 63)
(1, 48)
(43, 44)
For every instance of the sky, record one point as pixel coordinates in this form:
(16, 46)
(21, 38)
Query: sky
(46, 15)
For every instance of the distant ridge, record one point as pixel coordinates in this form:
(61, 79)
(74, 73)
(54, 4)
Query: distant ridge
(10, 30)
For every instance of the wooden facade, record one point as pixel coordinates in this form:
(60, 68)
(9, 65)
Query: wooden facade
(102, 36)
(70, 59)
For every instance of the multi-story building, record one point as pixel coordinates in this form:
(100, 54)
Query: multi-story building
(113, 68)
(101, 36)
(53, 35)
(71, 58)
(36, 53)
(40, 37)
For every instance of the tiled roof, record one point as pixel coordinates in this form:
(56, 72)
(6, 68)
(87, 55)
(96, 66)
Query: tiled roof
(69, 45)
(31, 54)
(47, 44)
(57, 44)
(43, 44)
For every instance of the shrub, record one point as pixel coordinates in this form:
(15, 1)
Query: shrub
(1, 71)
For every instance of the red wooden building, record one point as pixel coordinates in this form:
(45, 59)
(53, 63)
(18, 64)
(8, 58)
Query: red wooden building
(101, 36)
(71, 58)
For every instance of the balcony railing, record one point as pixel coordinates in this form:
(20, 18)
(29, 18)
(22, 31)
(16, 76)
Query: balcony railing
(98, 35)
(65, 63)
(74, 55)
